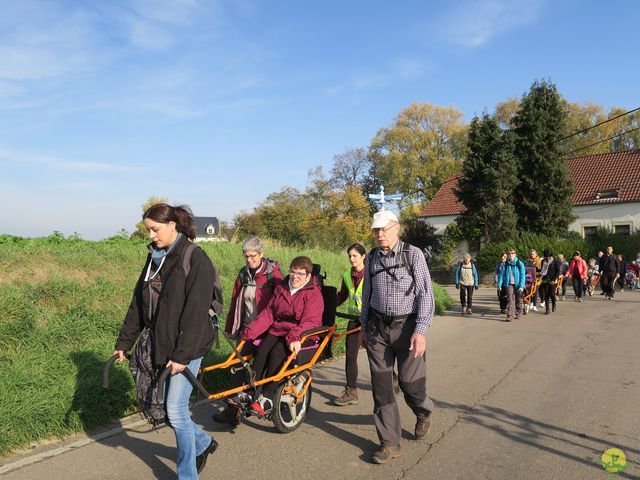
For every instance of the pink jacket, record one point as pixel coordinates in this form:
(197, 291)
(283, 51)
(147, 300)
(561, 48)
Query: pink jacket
(287, 315)
(582, 267)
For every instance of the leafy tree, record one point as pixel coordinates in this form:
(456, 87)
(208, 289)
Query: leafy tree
(321, 216)
(451, 238)
(140, 230)
(543, 198)
(624, 124)
(419, 233)
(420, 150)
(350, 168)
(489, 178)
(598, 140)
(584, 116)
(506, 111)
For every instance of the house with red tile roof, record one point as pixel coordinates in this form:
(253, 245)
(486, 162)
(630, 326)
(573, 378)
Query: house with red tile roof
(607, 194)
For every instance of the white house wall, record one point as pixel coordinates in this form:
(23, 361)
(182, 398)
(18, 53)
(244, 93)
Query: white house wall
(606, 216)
(440, 222)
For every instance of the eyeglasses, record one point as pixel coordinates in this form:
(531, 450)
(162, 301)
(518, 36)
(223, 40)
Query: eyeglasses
(384, 230)
(512, 253)
(251, 257)
(302, 274)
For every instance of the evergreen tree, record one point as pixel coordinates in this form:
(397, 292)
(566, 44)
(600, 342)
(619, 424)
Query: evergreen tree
(486, 187)
(543, 198)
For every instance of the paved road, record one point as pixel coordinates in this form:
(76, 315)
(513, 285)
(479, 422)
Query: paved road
(540, 398)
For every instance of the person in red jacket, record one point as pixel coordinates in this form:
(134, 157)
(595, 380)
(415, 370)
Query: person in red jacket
(253, 288)
(296, 306)
(578, 274)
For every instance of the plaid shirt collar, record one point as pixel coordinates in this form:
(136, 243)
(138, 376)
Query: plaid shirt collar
(393, 252)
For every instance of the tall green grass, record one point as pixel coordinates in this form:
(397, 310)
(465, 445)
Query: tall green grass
(62, 302)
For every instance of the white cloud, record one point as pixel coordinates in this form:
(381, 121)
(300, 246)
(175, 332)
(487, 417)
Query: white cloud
(404, 68)
(410, 67)
(39, 41)
(20, 158)
(140, 56)
(474, 23)
(157, 24)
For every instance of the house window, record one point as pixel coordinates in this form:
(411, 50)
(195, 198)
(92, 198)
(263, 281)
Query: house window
(607, 193)
(622, 229)
(210, 230)
(590, 231)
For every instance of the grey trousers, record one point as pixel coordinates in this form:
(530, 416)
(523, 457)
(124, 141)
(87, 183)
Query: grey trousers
(514, 302)
(383, 351)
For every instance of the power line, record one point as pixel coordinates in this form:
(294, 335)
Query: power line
(598, 124)
(601, 123)
(601, 141)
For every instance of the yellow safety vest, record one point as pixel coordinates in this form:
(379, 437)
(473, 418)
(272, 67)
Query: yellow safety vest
(354, 302)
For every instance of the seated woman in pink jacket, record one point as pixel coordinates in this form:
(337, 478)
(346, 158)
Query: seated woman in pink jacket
(296, 306)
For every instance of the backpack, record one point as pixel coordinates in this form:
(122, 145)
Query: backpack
(215, 308)
(405, 263)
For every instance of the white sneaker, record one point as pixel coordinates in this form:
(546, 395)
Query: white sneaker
(534, 308)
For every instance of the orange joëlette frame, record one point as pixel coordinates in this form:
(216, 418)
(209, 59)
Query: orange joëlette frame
(282, 373)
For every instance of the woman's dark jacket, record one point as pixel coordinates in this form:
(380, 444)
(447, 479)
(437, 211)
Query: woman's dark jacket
(182, 330)
(553, 272)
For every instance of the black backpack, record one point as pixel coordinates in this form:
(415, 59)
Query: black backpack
(215, 308)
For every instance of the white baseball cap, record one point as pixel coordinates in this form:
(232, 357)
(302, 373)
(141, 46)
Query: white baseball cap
(381, 219)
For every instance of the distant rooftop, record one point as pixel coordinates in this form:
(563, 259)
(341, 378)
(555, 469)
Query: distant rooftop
(603, 178)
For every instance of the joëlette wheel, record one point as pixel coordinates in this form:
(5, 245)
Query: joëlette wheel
(287, 415)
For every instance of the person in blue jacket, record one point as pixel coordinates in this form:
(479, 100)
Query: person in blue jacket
(513, 279)
(466, 282)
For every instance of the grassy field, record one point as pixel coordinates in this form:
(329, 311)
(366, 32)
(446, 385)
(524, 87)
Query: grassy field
(62, 302)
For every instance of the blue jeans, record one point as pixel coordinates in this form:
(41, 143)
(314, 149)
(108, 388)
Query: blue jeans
(190, 439)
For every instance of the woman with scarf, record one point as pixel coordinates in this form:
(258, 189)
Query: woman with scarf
(170, 307)
(534, 260)
(252, 291)
(513, 278)
(549, 273)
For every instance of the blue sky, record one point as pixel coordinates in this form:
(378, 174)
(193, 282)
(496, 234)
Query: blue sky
(219, 103)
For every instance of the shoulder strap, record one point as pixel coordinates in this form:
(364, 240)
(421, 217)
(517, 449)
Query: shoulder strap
(216, 300)
(406, 248)
(186, 257)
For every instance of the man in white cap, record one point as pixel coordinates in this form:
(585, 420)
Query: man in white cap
(397, 310)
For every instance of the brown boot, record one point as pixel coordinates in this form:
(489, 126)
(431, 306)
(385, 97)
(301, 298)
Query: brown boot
(386, 454)
(230, 415)
(348, 397)
(422, 427)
